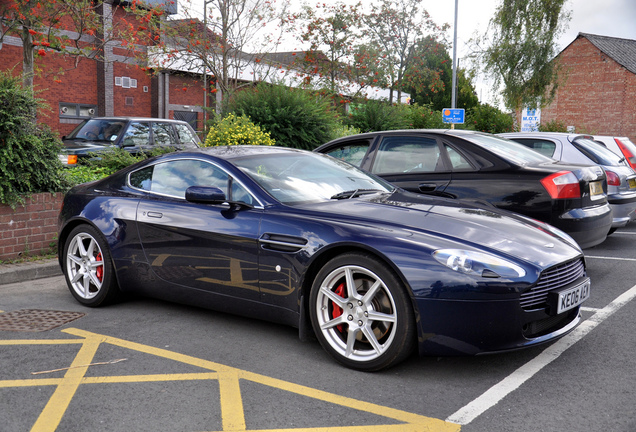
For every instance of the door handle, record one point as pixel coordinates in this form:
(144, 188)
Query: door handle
(154, 215)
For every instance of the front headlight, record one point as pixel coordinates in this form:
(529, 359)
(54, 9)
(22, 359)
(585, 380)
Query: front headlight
(478, 263)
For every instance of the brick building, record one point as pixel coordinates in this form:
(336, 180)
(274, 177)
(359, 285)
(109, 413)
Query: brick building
(598, 94)
(118, 85)
(115, 87)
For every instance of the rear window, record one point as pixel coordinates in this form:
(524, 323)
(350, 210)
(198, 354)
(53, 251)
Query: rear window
(597, 153)
(507, 149)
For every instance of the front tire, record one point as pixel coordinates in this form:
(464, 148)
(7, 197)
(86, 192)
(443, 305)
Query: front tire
(88, 267)
(361, 313)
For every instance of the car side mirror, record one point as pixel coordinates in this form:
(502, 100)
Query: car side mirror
(205, 195)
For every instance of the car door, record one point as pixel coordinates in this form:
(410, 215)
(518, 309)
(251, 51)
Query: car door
(203, 246)
(136, 138)
(413, 162)
(163, 135)
(355, 152)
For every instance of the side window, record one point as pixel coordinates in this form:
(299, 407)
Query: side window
(186, 136)
(162, 134)
(458, 162)
(239, 193)
(407, 154)
(137, 134)
(545, 147)
(174, 177)
(352, 153)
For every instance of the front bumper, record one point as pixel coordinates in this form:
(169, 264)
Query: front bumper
(456, 327)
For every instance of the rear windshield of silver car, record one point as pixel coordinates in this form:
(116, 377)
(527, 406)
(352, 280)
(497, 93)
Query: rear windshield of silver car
(509, 150)
(597, 153)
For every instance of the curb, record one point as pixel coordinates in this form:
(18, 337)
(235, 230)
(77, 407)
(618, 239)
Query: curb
(12, 273)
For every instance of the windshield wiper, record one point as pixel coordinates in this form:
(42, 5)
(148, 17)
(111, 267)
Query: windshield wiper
(354, 193)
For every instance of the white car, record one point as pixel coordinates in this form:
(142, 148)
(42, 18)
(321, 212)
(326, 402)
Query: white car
(583, 149)
(622, 146)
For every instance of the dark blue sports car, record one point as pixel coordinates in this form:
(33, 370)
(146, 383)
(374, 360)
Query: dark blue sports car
(307, 240)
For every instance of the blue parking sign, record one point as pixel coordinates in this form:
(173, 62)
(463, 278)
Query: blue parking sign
(453, 115)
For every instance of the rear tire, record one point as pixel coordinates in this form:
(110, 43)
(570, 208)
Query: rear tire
(361, 313)
(88, 267)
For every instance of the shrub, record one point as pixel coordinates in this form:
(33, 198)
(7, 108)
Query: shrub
(237, 130)
(105, 163)
(374, 116)
(293, 117)
(553, 126)
(425, 117)
(28, 151)
(486, 118)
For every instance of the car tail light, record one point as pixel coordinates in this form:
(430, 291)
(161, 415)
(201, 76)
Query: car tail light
(612, 178)
(563, 184)
(71, 160)
(629, 156)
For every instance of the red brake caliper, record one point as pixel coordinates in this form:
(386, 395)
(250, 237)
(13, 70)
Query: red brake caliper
(337, 310)
(99, 271)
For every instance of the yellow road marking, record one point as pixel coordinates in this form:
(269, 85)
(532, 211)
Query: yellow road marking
(228, 378)
(52, 414)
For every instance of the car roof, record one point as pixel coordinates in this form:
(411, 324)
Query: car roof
(123, 118)
(447, 132)
(569, 136)
(237, 151)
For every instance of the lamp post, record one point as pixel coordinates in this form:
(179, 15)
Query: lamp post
(205, 69)
(454, 90)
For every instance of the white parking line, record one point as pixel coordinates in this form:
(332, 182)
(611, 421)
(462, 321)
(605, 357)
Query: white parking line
(513, 381)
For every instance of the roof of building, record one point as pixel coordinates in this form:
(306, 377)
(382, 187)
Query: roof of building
(623, 51)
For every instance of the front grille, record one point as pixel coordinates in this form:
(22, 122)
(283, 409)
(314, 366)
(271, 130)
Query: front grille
(551, 279)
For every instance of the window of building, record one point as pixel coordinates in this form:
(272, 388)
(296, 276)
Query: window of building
(76, 110)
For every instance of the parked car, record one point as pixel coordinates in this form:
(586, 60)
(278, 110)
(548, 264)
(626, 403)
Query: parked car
(134, 134)
(482, 167)
(622, 146)
(284, 234)
(621, 178)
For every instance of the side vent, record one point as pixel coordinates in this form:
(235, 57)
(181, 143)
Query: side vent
(282, 243)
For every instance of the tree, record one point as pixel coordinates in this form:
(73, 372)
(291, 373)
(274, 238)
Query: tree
(522, 45)
(218, 45)
(77, 29)
(429, 77)
(395, 27)
(332, 61)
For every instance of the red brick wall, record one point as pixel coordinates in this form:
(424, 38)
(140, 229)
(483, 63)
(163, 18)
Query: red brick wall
(30, 228)
(139, 103)
(598, 95)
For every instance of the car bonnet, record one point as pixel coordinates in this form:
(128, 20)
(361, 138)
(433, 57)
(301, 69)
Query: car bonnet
(479, 227)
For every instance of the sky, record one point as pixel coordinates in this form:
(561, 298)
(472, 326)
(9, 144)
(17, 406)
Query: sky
(615, 18)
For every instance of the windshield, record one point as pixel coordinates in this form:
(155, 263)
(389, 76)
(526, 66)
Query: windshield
(294, 178)
(98, 130)
(510, 150)
(597, 153)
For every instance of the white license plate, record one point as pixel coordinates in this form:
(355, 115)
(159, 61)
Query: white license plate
(573, 297)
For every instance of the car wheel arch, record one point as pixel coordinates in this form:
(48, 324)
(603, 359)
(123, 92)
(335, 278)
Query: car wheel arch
(321, 259)
(63, 236)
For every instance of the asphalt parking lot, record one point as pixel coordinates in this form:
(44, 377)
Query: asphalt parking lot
(149, 365)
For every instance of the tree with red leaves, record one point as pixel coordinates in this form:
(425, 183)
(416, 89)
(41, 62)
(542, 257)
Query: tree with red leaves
(396, 27)
(76, 29)
(228, 45)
